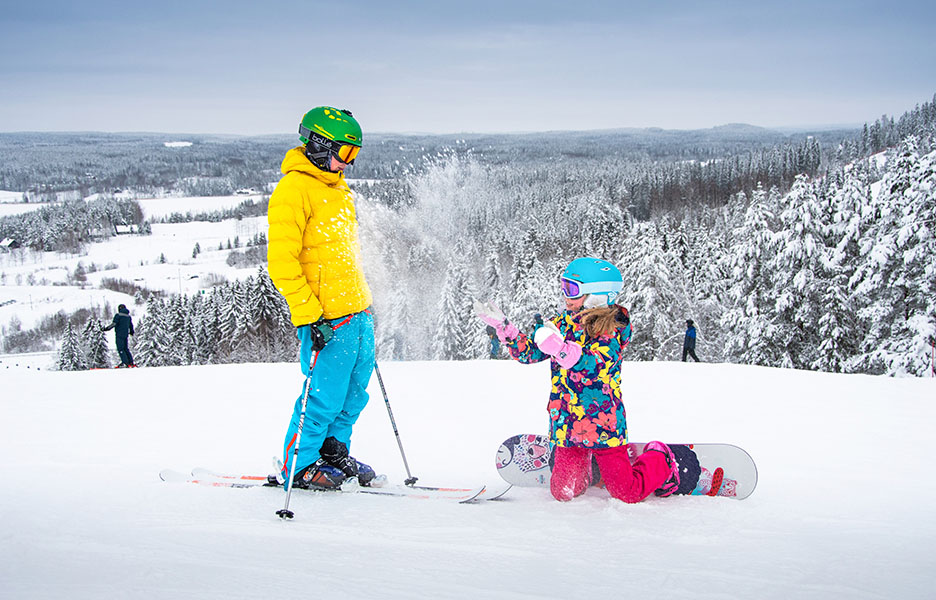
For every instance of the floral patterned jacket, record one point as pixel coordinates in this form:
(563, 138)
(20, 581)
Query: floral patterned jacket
(585, 407)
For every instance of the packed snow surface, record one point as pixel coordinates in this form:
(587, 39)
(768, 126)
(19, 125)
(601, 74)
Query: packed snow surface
(843, 509)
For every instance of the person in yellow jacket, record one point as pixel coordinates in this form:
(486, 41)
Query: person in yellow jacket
(315, 262)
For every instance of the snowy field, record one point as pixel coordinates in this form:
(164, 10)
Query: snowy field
(128, 257)
(154, 208)
(7, 196)
(30, 303)
(843, 508)
(157, 208)
(11, 203)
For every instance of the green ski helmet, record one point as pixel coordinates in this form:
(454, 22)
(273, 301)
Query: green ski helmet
(329, 132)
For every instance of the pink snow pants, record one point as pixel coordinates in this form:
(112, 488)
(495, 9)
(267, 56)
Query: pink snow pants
(571, 473)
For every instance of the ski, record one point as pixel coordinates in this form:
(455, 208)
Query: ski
(460, 495)
(379, 482)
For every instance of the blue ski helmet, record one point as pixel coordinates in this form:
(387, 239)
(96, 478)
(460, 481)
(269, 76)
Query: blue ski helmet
(597, 278)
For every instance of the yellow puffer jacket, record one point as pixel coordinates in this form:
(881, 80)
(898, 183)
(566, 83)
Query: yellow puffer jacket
(314, 254)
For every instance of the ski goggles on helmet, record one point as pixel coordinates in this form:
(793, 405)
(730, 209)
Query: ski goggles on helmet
(571, 289)
(346, 153)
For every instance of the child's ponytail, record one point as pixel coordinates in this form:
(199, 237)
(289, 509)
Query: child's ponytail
(605, 321)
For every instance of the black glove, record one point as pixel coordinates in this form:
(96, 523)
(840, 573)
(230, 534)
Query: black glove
(321, 332)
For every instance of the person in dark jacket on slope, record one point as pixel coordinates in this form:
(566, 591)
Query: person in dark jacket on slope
(688, 346)
(122, 326)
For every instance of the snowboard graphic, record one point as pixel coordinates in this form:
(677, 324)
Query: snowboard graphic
(704, 469)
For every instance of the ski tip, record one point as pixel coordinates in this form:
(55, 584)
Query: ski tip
(473, 495)
(496, 494)
(172, 475)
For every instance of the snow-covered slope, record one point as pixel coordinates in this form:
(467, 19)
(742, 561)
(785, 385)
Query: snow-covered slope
(843, 508)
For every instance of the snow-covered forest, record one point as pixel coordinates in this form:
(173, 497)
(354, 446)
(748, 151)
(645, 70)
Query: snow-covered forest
(812, 253)
(836, 275)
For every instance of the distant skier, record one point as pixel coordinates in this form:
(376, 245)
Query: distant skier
(122, 326)
(495, 343)
(587, 418)
(688, 345)
(314, 260)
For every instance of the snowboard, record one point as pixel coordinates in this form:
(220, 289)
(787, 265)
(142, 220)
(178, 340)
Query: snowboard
(704, 469)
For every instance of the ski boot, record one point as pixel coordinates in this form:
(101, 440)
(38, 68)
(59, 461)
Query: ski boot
(319, 475)
(671, 485)
(335, 454)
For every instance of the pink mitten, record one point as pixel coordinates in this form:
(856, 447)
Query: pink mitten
(493, 316)
(550, 340)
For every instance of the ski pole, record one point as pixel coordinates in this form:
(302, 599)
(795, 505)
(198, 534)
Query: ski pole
(285, 513)
(410, 480)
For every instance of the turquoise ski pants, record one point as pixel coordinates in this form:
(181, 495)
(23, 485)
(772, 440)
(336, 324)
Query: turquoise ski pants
(337, 388)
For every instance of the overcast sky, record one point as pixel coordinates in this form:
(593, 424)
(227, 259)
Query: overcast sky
(253, 67)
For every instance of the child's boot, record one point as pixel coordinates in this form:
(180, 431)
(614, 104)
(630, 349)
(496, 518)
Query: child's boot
(671, 484)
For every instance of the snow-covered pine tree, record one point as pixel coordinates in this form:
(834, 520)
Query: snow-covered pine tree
(151, 335)
(707, 279)
(199, 309)
(71, 354)
(95, 344)
(244, 340)
(749, 318)
(394, 330)
(798, 276)
(917, 236)
(538, 293)
(269, 320)
(891, 275)
(909, 269)
(490, 275)
(655, 310)
(177, 347)
(604, 225)
(459, 335)
(223, 300)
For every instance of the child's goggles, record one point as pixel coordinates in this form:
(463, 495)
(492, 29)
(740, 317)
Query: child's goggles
(571, 289)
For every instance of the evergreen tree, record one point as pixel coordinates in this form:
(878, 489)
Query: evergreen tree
(898, 273)
(269, 320)
(95, 342)
(459, 335)
(894, 313)
(152, 342)
(396, 328)
(798, 276)
(749, 317)
(71, 354)
(177, 343)
(490, 276)
(243, 341)
(652, 298)
(226, 301)
(917, 238)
